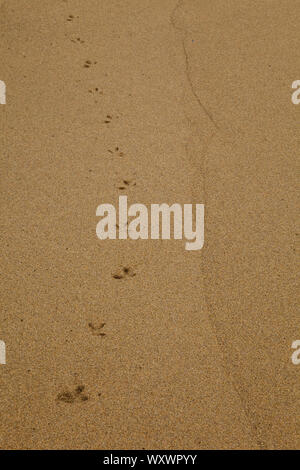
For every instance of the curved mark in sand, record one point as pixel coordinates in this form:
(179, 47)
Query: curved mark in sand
(2, 92)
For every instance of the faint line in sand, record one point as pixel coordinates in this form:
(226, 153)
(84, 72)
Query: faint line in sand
(188, 67)
(2, 353)
(231, 378)
(2, 92)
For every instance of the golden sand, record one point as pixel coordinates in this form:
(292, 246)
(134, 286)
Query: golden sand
(191, 102)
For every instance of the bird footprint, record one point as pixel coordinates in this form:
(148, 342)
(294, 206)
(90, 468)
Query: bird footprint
(127, 184)
(116, 151)
(88, 64)
(77, 41)
(71, 17)
(123, 273)
(95, 90)
(108, 119)
(97, 329)
(76, 395)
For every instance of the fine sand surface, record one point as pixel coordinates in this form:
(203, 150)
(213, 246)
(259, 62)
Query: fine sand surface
(195, 348)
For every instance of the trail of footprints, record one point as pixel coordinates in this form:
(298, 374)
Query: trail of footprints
(78, 395)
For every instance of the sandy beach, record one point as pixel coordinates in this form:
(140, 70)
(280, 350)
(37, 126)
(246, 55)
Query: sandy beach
(140, 344)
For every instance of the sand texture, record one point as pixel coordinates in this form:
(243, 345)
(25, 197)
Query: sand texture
(189, 102)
